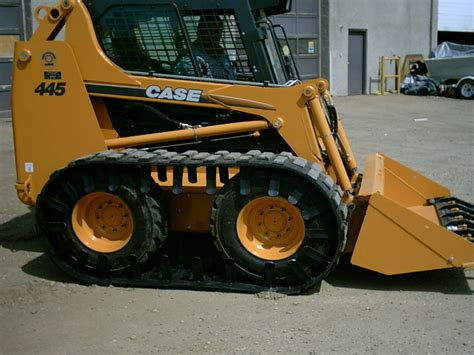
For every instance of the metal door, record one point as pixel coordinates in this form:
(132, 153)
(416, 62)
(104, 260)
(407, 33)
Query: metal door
(10, 31)
(302, 28)
(356, 63)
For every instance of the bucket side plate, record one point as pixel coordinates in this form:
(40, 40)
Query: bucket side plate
(401, 231)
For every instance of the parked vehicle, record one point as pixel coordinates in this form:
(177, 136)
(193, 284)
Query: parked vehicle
(452, 67)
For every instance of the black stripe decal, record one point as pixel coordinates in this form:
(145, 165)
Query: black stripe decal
(127, 91)
(115, 90)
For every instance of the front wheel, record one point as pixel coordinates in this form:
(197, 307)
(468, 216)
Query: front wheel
(285, 223)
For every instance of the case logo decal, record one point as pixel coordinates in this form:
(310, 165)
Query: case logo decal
(179, 94)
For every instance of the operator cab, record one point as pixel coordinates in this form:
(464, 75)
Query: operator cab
(156, 38)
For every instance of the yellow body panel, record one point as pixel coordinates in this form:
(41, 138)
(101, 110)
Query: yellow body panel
(49, 130)
(190, 211)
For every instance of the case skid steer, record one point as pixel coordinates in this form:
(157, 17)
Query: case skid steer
(172, 144)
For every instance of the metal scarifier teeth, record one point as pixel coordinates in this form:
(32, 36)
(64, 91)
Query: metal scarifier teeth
(456, 215)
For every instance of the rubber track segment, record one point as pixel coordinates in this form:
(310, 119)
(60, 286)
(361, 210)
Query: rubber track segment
(167, 274)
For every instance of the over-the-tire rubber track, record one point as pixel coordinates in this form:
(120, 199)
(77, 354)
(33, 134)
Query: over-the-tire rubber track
(165, 273)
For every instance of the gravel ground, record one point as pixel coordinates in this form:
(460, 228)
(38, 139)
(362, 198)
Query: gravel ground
(355, 311)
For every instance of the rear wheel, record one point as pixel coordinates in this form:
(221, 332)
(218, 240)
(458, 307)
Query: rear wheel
(465, 89)
(98, 222)
(294, 230)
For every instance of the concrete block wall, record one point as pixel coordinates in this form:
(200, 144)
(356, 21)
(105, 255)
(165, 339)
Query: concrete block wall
(398, 27)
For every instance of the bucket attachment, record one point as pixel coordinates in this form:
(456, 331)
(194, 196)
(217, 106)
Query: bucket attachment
(410, 223)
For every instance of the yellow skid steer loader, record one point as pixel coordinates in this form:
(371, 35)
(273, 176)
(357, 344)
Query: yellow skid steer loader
(173, 144)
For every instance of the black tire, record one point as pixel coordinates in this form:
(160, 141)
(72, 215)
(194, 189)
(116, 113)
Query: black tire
(324, 228)
(54, 223)
(465, 89)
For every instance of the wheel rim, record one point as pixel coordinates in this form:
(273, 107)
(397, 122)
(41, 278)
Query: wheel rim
(102, 222)
(466, 90)
(270, 228)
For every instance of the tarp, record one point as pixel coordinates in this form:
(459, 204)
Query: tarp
(450, 49)
(419, 85)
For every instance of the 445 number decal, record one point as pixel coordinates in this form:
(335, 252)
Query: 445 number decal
(57, 89)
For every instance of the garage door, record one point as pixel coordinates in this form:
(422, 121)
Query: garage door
(302, 29)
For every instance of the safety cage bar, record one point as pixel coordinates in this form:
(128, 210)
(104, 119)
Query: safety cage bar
(288, 58)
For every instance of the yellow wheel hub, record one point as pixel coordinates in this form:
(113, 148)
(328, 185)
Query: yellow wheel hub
(270, 228)
(102, 222)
